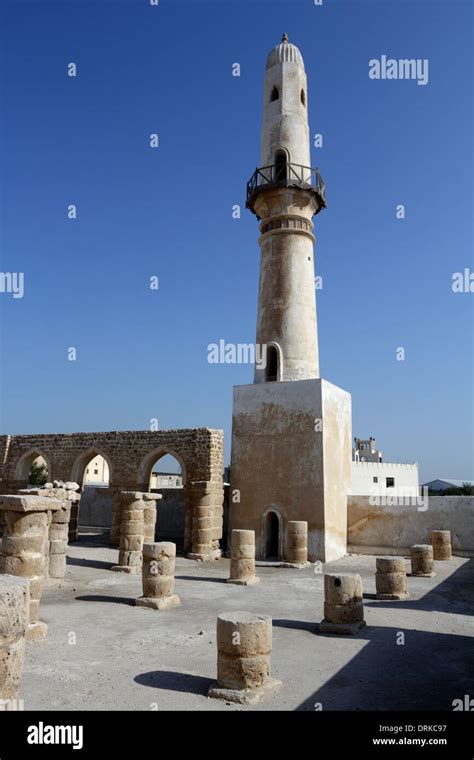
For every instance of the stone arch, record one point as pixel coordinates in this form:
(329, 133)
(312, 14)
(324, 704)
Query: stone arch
(22, 469)
(274, 365)
(272, 515)
(145, 467)
(81, 462)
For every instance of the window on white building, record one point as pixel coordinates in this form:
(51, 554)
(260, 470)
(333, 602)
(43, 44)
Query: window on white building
(390, 482)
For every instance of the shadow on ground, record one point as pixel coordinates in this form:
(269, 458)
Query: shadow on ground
(85, 562)
(199, 578)
(170, 680)
(380, 677)
(103, 598)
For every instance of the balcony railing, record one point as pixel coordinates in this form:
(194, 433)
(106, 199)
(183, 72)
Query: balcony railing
(286, 175)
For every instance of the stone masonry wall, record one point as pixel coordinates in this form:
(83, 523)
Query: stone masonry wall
(131, 456)
(375, 529)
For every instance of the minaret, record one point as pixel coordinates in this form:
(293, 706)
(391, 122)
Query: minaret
(285, 193)
(291, 428)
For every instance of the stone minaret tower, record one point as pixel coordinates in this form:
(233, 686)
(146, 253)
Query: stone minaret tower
(291, 429)
(285, 193)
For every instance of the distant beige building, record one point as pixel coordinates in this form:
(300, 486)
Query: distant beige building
(96, 472)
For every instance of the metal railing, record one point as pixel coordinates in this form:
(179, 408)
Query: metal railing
(286, 175)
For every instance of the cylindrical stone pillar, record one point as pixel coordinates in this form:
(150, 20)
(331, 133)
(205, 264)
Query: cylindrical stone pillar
(149, 519)
(114, 537)
(132, 529)
(296, 543)
(242, 560)
(158, 576)
(24, 544)
(58, 541)
(59, 526)
(131, 533)
(203, 527)
(73, 525)
(14, 611)
(441, 541)
(422, 564)
(244, 646)
(343, 604)
(391, 578)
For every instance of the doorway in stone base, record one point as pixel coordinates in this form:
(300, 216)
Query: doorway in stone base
(272, 536)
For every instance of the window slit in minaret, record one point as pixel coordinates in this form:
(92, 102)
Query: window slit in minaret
(280, 166)
(275, 94)
(272, 364)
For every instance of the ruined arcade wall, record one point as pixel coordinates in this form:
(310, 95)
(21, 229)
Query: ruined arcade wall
(130, 456)
(200, 449)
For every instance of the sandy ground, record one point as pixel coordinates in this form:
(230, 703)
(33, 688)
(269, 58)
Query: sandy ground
(102, 652)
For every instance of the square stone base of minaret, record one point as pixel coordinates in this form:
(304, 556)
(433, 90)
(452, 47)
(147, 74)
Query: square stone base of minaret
(291, 460)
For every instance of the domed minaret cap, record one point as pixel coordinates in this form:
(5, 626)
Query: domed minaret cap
(285, 52)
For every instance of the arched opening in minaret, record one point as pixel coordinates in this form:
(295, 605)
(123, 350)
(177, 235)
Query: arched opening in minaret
(303, 97)
(281, 168)
(272, 536)
(271, 370)
(275, 94)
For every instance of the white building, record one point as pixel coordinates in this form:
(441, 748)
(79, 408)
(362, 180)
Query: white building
(165, 480)
(372, 476)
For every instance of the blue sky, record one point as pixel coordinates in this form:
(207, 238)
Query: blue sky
(142, 353)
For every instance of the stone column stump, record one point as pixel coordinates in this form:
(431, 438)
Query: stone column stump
(391, 578)
(343, 604)
(242, 560)
(422, 564)
(59, 525)
(441, 542)
(74, 500)
(132, 529)
(149, 519)
(114, 537)
(23, 547)
(203, 525)
(296, 549)
(244, 646)
(58, 541)
(158, 576)
(14, 612)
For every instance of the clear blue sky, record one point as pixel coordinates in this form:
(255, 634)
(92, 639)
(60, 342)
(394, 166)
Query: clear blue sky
(142, 354)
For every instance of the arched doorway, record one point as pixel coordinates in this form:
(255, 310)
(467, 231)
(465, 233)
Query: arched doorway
(33, 469)
(272, 536)
(165, 474)
(92, 519)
